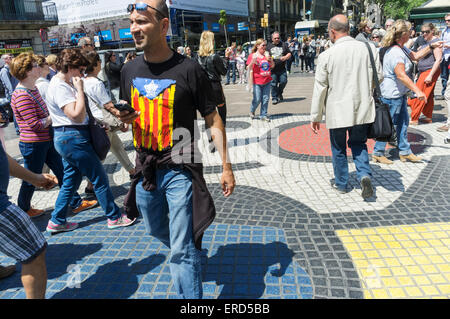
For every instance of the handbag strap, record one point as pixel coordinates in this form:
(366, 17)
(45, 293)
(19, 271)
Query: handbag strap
(34, 98)
(92, 119)
(375, 75)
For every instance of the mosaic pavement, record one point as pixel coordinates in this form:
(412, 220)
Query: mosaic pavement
(284, 233)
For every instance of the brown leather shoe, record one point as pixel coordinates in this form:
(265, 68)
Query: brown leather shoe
(33, 212)
(382, 160)
(7, 271)
(411, 157)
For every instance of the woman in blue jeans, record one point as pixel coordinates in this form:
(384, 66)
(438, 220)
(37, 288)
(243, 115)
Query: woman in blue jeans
(36, 143)
(67, 105)
(261, 63)
(397, 70)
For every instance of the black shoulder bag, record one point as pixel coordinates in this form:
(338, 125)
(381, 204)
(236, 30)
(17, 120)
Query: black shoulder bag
(100, 140)
(382, 129)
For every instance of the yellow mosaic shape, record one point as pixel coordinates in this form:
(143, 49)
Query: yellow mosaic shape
(405, 261)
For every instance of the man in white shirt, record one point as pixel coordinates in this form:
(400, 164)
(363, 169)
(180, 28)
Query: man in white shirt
(344, 90)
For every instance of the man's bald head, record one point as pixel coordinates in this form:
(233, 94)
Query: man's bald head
(339, 23)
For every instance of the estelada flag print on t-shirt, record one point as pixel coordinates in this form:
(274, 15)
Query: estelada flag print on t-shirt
(153, 129)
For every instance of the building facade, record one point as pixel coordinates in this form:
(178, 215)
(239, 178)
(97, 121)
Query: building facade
(187, 23)
(24, 26)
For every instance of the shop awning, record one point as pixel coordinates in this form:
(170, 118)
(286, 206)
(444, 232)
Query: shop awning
(307, 24)
(427, 15)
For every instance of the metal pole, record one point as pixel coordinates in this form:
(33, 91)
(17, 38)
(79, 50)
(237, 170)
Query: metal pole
(304, 10)
(184, 27)
(249, 33)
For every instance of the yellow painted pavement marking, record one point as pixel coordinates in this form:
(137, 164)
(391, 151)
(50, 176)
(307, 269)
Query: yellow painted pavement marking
(405, 261)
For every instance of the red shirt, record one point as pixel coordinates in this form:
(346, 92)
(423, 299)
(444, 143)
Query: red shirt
(261, 70)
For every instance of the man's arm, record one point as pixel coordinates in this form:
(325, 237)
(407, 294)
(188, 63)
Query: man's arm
(46, 181)
(214, 122)
(416, 56)
(320, 93)
(5, 80)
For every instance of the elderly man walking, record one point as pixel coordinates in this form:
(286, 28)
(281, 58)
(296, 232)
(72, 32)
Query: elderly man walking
(343, 88)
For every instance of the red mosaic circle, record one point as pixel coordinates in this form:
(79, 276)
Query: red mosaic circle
(302, 140)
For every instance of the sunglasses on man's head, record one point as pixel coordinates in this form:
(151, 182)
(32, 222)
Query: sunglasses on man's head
(140, 6)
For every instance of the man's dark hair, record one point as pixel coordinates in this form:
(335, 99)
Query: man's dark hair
(162, 7)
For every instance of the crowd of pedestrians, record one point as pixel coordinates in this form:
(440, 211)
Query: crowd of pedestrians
(55, 100)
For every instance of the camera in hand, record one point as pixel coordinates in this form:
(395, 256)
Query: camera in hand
(124, 107)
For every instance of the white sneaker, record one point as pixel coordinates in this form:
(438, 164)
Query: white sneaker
(252, 115)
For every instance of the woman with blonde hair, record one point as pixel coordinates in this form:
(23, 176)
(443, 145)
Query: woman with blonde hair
(51, 61)
(397, 72)
(261, 63)
(215, 67)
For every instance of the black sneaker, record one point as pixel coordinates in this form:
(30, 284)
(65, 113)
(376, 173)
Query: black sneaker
(447, 140)
(280, 98)
(366, 186)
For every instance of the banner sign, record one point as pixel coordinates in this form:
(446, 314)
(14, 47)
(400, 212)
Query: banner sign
(215, 27)
(15, 46)
(125, 34)
(233, 7)
(230, 27)
(105, 35)
(75, 11)
(242, 26)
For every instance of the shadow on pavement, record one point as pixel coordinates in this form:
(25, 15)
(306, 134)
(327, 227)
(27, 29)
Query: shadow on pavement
(241, 268)
(58, 258)
(116, 280)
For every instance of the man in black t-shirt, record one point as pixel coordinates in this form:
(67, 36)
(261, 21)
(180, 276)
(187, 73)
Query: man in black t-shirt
(167, 89)
(280, 54)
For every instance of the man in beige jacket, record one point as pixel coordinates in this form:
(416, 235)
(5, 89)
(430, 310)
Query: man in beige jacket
(343, 89)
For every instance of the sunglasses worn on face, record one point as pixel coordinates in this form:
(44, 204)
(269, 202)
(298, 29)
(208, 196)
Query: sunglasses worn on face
(140, 6)
(426, 32)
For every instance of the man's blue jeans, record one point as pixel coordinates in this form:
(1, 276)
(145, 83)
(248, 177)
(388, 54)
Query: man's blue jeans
(261, 95)
(79, 159)
(400, 118)
(444, 74)
(357, 143)
(167, 213)
(34, 157)
(279, 81)
(296, 58)
(231, 69)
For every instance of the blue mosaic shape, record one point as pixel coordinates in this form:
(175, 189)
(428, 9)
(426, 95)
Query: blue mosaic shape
(239, 261)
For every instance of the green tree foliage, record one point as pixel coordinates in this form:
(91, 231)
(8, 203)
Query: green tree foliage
(223, 21)
(398, 9)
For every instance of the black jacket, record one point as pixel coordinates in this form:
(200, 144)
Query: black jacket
(214, 66)
(113, 74)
